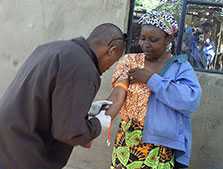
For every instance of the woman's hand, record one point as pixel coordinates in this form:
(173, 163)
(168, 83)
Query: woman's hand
(139, 75)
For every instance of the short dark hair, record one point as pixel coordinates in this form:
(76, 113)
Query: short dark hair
(206, 27)
(108, 33)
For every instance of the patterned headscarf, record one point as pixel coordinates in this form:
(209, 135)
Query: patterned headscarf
(162, 20)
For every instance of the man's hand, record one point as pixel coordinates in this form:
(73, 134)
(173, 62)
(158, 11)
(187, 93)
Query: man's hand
(97, 106)
(139, 75)
(87, 145)
(104, 119)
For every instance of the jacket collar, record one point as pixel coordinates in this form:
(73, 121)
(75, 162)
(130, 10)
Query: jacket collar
(176, 58)
(83, 43)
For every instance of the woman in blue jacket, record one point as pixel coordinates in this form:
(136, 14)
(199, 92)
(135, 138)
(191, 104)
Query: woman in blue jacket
(155, 93)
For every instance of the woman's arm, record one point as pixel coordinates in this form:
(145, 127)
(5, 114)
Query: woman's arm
(120, 83)
(117, 96)
(182, 94)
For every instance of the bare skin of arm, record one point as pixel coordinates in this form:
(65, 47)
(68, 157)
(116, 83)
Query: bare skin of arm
(117, 96)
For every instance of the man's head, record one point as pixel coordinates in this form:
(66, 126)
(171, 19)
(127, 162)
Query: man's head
(108, 43)
(206, 30)
(206, 27)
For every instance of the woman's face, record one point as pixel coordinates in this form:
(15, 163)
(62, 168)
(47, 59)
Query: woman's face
(153, 42)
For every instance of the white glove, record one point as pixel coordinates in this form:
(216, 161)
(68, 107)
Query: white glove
(97, 106)
(104, 119)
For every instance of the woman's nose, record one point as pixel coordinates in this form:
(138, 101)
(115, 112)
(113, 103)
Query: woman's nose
(147, 41)
(147, 44)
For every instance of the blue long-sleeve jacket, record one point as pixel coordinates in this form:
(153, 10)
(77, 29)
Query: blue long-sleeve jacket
(175, 95)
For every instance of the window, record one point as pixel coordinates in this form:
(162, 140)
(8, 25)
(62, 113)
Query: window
(203, 36)
(201, 31)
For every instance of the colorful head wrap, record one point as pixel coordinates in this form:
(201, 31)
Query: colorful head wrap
(162, 20)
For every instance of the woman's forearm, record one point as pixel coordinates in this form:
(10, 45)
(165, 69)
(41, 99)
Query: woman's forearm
(117, 96)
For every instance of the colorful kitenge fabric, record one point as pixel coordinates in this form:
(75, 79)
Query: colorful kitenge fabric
(129, 151)
(135, 104)
(163, 20)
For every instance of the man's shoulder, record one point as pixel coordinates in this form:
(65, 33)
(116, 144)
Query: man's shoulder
(57, 45)
(65, 50)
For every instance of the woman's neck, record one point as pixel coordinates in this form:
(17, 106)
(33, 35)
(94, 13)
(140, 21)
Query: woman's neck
(162, 59)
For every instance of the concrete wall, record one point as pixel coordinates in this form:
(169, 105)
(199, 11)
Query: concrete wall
(25, 24)
(208, 125)
(28, 23)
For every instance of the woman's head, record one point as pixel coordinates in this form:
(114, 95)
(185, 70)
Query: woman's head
(158, 30)
(153, 42)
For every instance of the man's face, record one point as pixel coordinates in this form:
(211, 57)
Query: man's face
(201, 38)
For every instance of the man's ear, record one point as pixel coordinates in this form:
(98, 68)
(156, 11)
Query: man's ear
(112, 50)
(140, 43)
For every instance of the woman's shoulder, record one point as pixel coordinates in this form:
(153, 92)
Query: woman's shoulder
(182, 65)
(132, 57)
(182, 59)
(177, 64)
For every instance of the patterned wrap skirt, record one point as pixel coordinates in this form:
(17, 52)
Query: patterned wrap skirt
(130, 153)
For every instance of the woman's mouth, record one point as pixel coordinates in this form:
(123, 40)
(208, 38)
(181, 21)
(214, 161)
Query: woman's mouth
(147, 52)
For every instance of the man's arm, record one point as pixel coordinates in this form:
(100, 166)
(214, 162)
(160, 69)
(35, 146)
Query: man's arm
(71, 101)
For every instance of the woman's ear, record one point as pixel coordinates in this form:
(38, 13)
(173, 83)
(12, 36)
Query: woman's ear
(169, 39)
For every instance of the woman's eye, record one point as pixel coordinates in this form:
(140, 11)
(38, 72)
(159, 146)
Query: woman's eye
(154, 39)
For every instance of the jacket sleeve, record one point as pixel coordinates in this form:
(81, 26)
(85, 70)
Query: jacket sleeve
(71, 101)
(182, 94)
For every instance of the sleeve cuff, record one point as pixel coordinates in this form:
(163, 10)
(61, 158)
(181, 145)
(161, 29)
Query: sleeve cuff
(154, 83)
(97, 130)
